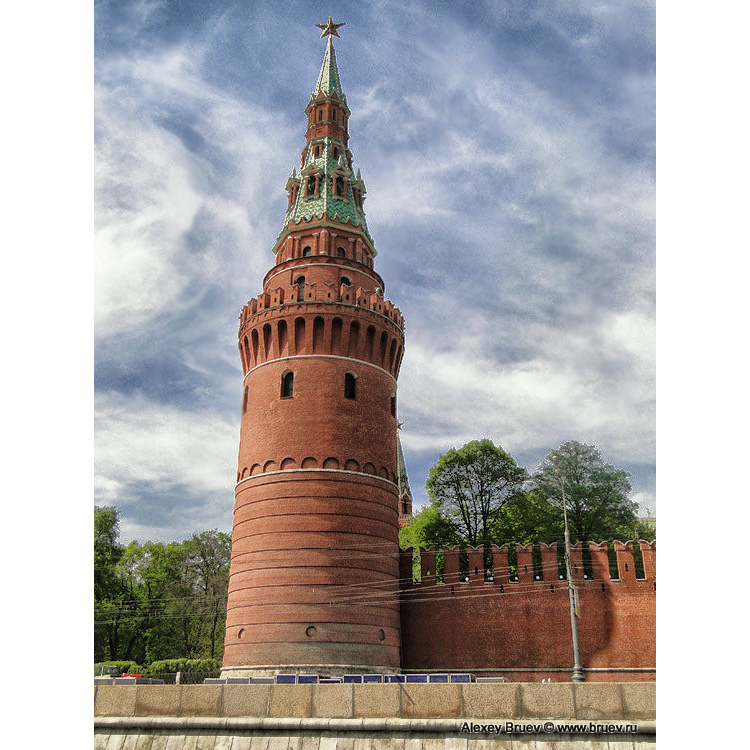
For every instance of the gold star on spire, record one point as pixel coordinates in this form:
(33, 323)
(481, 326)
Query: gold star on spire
(329, 28)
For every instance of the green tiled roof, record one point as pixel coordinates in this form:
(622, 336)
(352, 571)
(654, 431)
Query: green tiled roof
(328, 80)
(326, 201)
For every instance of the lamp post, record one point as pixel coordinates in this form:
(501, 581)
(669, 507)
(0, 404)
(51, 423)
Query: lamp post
(578, 675)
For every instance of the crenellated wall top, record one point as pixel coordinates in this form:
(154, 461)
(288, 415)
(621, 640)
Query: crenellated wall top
(625, 561)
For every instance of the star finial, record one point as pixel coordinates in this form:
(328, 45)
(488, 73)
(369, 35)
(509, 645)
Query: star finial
(329, 28)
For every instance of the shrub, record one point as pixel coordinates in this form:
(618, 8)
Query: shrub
(124, 666)
(184, 665)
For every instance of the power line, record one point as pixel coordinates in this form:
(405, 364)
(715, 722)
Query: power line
(454, 578)
(406, 596)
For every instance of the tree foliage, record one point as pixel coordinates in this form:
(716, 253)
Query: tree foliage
(426, 529)
(528, 518)
(158, 600)
(470, 486)
(478, 495)
(106, 550)
(596, 492)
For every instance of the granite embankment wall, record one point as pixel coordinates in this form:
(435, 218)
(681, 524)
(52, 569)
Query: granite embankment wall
(464, 618)
(365, 717)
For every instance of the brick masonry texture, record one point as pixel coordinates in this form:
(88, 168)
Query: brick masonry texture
(508, 628)
(315, 561)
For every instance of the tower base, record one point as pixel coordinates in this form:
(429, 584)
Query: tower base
(322, 670)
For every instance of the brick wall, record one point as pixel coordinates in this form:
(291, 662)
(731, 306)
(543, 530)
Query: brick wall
(521, 629)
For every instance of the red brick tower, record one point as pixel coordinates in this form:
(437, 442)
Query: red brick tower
(314, 572)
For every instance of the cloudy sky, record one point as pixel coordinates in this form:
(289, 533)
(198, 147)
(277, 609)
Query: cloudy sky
(508, 149)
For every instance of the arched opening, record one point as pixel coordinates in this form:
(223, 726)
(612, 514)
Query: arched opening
(350, 385)
(267, 341)
(341, 252)
(300, 282)
(299, 335)
(383, 348)
(256, 345)
(287, 385)
(369, 342)
(353, 339)
(283, 339)
(244, 400)
(340, 186)
(346, 281)
(392, 355)
(245, 354)
(318, 327)
(336, 332)
(306, 251)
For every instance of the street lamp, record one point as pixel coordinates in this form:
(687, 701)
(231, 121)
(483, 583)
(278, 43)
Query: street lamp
(572, 593)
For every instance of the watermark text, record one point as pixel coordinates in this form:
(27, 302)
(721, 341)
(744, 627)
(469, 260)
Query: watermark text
(548, 727)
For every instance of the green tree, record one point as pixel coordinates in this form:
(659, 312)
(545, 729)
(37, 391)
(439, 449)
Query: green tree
(107, 551)
(596, 492)
(470, 486)
(644, 530)
(162, 595)
(108, 591)
(155, 600)
(118, 592)
(528, 518)
(207, 578)
(426, 529)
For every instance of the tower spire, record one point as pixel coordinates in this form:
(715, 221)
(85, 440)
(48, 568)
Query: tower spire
(325, 192)
(404, 492)
(328, 80)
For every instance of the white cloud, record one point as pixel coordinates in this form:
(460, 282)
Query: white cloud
(151, 186)
(646, 502)
(140, 443)
(586, 384)
(138, 242)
